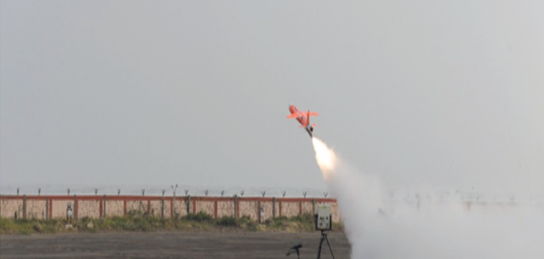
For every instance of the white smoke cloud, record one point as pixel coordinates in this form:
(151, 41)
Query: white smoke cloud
(425, 228)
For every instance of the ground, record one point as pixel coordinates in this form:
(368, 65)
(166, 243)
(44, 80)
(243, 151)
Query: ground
(169, 245)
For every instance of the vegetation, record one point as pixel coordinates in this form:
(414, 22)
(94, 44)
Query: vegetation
(192, 222)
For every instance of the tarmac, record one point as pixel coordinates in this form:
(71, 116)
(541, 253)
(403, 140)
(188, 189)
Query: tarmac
(170, 245)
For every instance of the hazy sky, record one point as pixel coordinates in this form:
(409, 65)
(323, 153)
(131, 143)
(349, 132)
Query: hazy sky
(197, 92)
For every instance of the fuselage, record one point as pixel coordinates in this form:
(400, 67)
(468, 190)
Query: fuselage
(301, 117)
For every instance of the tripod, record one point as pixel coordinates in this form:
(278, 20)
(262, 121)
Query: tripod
(324, 237)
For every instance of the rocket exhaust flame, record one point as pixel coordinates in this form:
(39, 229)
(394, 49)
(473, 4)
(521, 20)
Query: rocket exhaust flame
(326, 159)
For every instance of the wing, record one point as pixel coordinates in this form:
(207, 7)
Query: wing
(314, 114)
(292, 115)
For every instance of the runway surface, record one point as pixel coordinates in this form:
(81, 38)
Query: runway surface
(170, 245)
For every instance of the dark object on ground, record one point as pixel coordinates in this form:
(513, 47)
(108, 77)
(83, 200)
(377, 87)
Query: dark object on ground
(295, 248)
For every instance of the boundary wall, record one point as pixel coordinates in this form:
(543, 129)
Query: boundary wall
(93, 206)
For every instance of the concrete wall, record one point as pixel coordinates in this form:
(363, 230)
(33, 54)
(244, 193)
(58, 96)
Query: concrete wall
(137, 207)
(248, 208)
(35, 209)
(168, 209)
(225, 208)
(180, 207)
(41, 207)
(336, 217)
(85, 208)
(289, 209)
(114, 208)
(267, 210)
(58, 208)
(8, 208)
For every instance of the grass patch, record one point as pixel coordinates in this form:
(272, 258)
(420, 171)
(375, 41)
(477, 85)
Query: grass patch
(199, 217)
(228, 221)
(26, 227)
(138, 223)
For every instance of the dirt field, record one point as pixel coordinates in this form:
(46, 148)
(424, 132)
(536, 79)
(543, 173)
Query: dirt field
(170, 245)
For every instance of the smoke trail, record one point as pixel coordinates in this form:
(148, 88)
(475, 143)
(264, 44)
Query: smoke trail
(426, 229)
